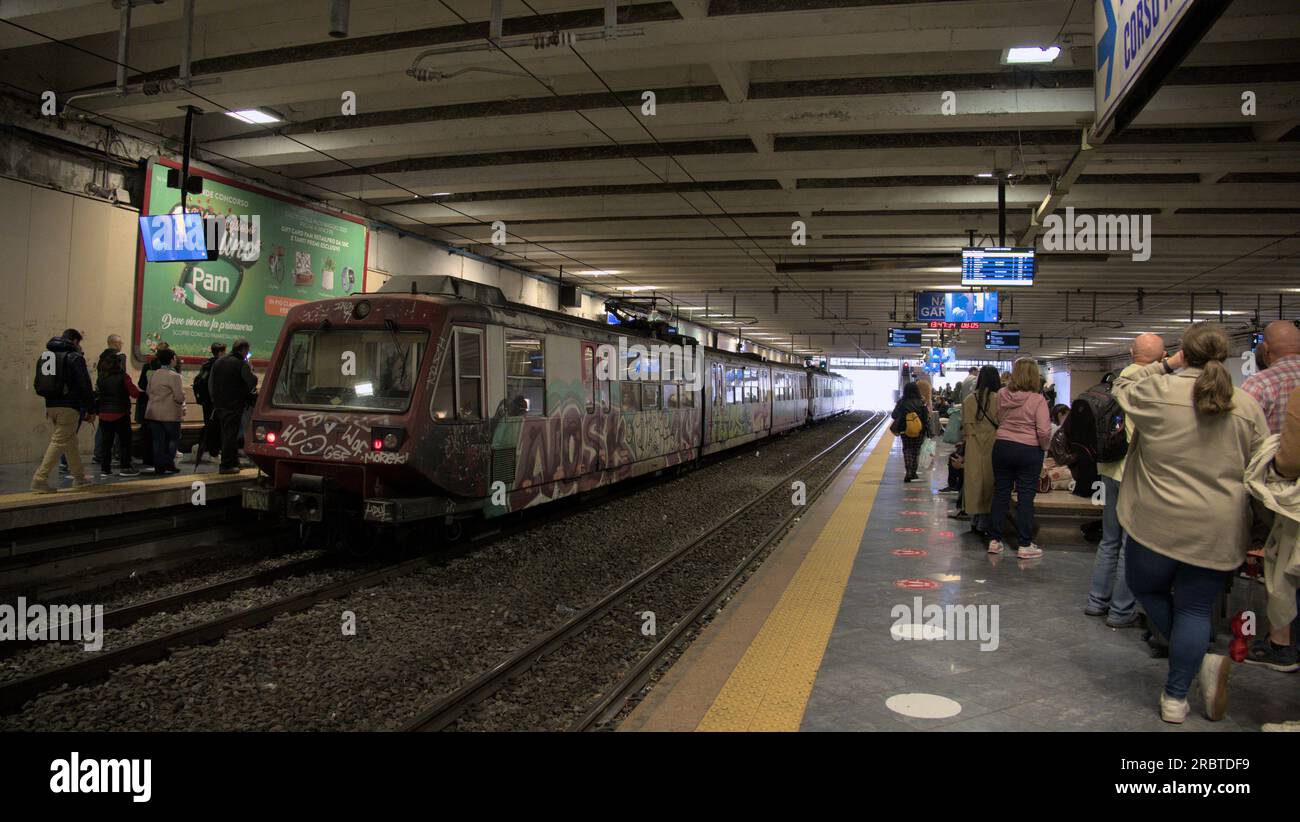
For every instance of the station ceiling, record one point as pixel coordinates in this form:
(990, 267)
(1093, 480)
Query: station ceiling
(767, 112)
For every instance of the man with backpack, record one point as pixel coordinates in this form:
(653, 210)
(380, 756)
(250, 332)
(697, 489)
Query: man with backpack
(63, 380)
(1094, 431)
(210, 439)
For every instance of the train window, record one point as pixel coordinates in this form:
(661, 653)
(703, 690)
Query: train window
(589, 375)
(649, 396)
(719, 391)
(525, 374)
(602, 385)
(629, 395)
(469, 374)
(383, 364)
(671, 391)
(765, 383)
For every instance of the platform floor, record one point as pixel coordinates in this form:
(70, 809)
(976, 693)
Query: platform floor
(809, 643)
(21, 508)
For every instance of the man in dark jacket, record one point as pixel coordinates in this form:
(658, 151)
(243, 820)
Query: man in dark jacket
(210, 439)
(230, 386)
(63, 380)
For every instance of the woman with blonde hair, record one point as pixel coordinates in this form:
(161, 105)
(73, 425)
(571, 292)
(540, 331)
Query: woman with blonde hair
(1184, 506)
(1024, 433)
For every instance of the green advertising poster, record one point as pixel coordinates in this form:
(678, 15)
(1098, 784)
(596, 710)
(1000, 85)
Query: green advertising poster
(300, 254)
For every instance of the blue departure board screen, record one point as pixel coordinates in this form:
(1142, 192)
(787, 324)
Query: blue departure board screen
(1002, 340)
(997, 266)
(904, 338)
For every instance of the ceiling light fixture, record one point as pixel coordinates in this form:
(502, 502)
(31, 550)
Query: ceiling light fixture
(254, 116)
(1030, 54)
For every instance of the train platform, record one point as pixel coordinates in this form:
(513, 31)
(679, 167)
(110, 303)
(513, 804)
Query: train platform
(21, 508)
(837, 631)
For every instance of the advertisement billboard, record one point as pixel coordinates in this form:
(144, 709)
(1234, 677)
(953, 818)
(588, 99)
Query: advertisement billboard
(300, 253)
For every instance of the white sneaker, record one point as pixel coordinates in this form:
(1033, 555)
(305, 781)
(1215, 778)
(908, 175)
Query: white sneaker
(1172, 710)
(1030, 551)
(1213, 681)
(1291, 725)
(995, 546)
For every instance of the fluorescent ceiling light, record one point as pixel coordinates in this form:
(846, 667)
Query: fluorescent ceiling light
(1031, 54)
(635, 287)
(254, 116)
(441, 194)
(985, 174)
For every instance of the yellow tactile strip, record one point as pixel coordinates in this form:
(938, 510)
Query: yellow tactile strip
(769, 689)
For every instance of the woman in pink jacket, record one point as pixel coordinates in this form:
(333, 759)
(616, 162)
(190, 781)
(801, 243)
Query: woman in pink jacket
(1024, 433)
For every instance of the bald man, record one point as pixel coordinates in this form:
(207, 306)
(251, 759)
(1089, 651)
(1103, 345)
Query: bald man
(1280, 353)
(1109, 595)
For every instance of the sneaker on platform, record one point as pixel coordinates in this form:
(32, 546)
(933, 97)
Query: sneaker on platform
(103, 475)
(1291, 725)
(1213, 681)
(1092, 610)
(1278, 657)
(129, 472)
(43, 488)
(1030, 551)
(1173, 711)
(995, 546)
(81, 482)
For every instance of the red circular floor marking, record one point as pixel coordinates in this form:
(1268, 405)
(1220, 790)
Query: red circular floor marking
(910, 530)
(909, 552)
(915, 513)
(916, 584)
(944, 534)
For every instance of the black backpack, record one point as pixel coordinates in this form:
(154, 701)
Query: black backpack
(51, 386)
(201, 393)
(1096, 425)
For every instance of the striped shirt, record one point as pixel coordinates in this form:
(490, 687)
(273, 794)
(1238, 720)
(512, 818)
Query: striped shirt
(1272, 386)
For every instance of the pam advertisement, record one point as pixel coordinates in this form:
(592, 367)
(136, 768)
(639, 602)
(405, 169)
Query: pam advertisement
(286, 253)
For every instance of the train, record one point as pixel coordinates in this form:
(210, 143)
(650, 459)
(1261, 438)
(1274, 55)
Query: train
(436, 399)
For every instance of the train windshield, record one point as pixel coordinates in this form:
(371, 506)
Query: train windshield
(350, 370)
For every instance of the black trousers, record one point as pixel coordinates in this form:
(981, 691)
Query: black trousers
(911, 450)
(210, 441)
(119, 430)
(229, 420)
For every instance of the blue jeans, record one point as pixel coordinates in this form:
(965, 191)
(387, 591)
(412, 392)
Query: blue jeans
(1178, 599)
(1109, 586)
(166, 439)
(1015, 462)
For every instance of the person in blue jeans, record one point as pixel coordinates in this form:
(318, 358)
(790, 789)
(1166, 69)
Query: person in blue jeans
(1184, 504)
(1024, 432)
(1109, 595)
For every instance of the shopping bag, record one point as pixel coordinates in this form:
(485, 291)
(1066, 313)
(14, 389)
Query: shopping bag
(926, 457)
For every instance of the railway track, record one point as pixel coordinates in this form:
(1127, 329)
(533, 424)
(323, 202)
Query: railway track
(478, 690)
(16, 693)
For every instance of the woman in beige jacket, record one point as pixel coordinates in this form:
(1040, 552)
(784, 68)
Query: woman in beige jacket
(979, 427)
(165, 411)
(1184, 505)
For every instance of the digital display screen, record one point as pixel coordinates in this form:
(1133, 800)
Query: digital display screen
(1007, 340)
(938, 356)
(970, 306)
(1256, 339)
(997, 266)
(904, 338)
(612, 319)
(169, 239)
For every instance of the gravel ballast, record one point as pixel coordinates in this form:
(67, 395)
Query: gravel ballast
(420, 636)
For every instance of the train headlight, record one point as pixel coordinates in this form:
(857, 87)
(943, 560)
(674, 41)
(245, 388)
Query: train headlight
(387, 439)
(361, 310)
(265, 431)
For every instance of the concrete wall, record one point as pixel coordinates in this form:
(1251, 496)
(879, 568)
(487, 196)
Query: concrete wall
(68, 262)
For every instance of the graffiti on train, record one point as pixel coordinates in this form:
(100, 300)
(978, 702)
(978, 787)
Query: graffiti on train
(326, 436)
